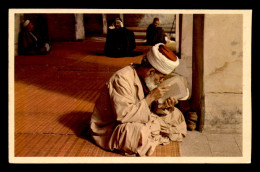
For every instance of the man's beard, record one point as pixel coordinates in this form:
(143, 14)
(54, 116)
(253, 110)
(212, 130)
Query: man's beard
(149, 81)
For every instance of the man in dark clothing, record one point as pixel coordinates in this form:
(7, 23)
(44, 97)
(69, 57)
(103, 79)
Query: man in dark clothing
(31, 43)
(120, 41)
(154, 33)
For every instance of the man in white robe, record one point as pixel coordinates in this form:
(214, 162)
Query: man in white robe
(123, 118)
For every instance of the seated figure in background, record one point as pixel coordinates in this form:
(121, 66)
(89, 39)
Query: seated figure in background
(120, 41)
(30, 42)
(154, 33)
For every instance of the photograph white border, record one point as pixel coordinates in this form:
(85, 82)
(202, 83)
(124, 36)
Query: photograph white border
(247, 111)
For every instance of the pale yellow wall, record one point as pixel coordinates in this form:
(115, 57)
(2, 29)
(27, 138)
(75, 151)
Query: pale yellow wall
(18, 19)
(223, 55)
(185, 66)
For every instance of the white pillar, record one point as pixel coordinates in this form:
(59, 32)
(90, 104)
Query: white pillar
(79, 27)
(18, 20)
(122, 17)
(104, 18)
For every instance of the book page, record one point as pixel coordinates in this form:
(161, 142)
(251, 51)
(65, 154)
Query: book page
(177, 89)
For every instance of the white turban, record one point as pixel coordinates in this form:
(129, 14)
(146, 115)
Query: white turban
(160, 62)
(25, 24)
(121, 23)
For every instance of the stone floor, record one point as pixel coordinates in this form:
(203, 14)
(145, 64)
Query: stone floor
(202, 144)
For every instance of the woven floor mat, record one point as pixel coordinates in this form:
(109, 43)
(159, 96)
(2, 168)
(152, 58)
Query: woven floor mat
(60, 145)
(55, 95)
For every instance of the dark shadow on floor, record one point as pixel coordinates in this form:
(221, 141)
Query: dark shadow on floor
(78, 122)
(97, 52)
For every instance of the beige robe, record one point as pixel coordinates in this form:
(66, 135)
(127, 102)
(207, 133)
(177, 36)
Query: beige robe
(122, 120)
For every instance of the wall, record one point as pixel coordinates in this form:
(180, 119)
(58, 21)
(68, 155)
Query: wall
(93, 24)
(223, 45)
(17, 28)
(185, 66)
(61, 27)
(144, 20)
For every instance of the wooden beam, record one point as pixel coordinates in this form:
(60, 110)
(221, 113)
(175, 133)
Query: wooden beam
(197, 99)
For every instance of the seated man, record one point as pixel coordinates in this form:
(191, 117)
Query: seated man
(120, 41)
(122, 118)
(154, 33)
(30, 43)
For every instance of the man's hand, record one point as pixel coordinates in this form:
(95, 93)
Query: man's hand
(169, 103)
(156, 93)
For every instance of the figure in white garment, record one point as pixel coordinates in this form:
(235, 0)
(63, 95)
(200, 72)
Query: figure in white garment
(127, 117)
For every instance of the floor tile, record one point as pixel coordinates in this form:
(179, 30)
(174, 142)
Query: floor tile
(195, 144)
(223, 145)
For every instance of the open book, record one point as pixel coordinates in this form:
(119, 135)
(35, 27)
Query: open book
(177, 89)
